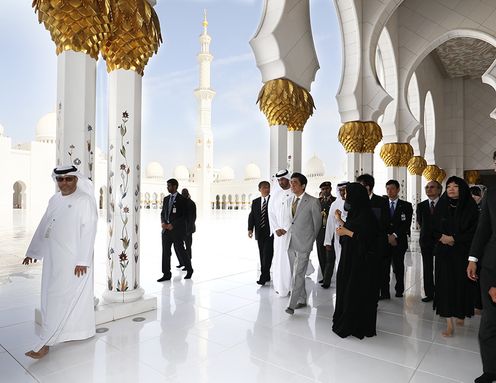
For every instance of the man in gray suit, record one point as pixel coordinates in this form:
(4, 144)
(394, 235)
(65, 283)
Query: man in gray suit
(483, 252)
(304, 221)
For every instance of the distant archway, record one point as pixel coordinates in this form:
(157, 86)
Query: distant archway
(19, 195)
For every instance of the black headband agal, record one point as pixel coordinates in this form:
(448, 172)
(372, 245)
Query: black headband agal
(284, 173)
(65, 171)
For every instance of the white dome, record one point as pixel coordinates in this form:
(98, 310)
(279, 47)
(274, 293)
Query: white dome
(252, 172)
(181, 172)
(314, 167)
(2, 130)
(226, 174)
(46, 127)
(154, 170)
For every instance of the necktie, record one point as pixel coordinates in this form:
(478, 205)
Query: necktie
(294, 205)
(391, 209)
(432, 207)
(263, 213)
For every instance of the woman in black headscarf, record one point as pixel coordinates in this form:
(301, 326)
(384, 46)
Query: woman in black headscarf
(356, 281)
(454, 292)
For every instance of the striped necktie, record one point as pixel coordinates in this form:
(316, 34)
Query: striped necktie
(294, 205)
(263, 213)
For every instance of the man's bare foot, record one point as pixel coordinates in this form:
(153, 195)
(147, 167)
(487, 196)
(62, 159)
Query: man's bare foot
(38, 355)
(460, 322)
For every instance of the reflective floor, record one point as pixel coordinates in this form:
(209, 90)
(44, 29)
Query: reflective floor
(222, 327)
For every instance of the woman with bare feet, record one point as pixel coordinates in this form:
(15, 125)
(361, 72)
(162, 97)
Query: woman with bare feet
(454, 292)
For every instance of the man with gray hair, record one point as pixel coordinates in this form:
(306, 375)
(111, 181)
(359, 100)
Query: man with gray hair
(64, 240)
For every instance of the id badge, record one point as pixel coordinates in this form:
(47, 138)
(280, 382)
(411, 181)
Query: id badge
(403, 217)
(174, 210)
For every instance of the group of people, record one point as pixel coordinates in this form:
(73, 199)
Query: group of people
(365, 232)
(368, 234)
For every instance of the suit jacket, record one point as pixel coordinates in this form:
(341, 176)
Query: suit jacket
(191, 216)
(305, 225)
(428, 223)
(255, 217)
(380, 208)
(484, 241)
(178, 216)
(401, 222)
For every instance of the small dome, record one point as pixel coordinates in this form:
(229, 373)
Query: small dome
(46, 128)
(314, 167)
(226, 174)
(252, 172)
(154, 170)
(181, 172)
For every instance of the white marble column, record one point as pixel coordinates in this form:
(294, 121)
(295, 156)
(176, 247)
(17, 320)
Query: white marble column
(124, 168)
(278, 148)
(294, 150)
(353, 166)
(414, 195)
(76, 103)
(399, 173)
(367, 163)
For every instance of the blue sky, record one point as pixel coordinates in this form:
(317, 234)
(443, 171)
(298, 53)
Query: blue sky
(28, 83)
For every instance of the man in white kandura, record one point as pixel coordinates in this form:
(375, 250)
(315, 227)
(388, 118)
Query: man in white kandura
(281, 269)
(332, 224)
(64, 240)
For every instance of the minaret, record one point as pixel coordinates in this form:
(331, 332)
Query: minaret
(204, 137)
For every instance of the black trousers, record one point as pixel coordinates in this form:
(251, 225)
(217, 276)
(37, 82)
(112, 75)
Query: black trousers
(428, 270)
(395, 256)
(188, 241)
(327, 258)
(178, 241)
(266, 250)
(487, 329)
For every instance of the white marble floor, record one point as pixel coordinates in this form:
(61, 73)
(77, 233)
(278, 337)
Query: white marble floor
(222, 327)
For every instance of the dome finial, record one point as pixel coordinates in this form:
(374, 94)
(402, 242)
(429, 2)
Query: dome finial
(205, 22)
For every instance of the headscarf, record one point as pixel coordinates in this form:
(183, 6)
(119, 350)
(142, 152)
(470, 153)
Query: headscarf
(357, 199)
(464, 196)
(84, 184)
(283, 173)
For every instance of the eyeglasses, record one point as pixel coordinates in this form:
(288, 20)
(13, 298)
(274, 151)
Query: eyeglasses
(66, 179)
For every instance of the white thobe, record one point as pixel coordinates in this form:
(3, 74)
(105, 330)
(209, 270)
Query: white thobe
(332, 224)
(281, 269)
(65, 239)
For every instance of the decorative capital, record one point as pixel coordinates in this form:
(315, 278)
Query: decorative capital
(135, 35)
(416, 165)
(431, 172)
(442, 175)
(360, 136)
(471, 176)
(285, 103)
(78, 25)
(396, 154)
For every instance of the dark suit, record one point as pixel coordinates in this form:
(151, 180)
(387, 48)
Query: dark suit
(176, 215)
(399, 224)
(190, 226)
(484, 249)
(262, 235)
(327, 258)
(428, 221)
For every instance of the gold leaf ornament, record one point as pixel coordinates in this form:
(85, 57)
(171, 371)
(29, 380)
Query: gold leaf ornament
(285, 103)
(78, 25)
(360, 136)
(472, 176)
(431, 172)
(396, 153)
(416, 165)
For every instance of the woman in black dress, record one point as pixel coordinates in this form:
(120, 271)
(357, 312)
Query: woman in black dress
(356, 281)
(454, 292)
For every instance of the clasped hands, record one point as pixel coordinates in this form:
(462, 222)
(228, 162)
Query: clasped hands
(280, 232)
(167, 226)
(79, 271)
(392, 240)
(447, 240)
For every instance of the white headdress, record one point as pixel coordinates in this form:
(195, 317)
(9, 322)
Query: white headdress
(84, 184)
